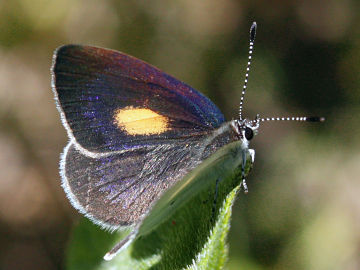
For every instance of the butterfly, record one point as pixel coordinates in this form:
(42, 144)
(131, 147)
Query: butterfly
(135, 133)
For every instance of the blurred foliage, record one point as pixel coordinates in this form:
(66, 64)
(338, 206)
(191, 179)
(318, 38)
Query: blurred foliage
(303, 208)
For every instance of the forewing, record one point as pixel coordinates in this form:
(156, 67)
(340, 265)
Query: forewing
(110, 101)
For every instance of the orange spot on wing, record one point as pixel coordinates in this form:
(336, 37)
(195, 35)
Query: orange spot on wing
(140, 121)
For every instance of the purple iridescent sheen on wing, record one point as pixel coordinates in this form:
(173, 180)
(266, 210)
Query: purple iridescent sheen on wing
(92, 83)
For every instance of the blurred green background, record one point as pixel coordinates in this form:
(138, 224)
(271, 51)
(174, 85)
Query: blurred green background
(303, 206)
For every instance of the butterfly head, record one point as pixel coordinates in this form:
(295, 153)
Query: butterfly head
(246, 129)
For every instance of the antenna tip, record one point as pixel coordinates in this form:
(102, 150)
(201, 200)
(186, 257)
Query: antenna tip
(253, 31)
(315, 119)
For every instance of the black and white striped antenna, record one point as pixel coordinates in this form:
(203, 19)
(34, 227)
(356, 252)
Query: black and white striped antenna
(300, 119)
(251, 48)
(266, 119)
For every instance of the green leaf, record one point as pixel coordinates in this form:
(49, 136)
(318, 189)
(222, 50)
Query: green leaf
(214, 253)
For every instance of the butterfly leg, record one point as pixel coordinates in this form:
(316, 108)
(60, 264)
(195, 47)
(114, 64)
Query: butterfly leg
(243, 165)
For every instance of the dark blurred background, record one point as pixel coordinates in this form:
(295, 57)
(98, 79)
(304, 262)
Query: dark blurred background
(302, 210)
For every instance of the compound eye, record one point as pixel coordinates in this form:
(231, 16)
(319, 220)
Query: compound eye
(249, 134)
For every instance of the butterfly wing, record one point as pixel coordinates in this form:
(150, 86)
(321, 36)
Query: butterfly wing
(110, 101)
(119, 189)
(134, 132)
